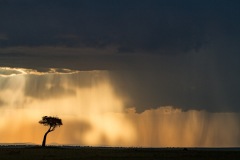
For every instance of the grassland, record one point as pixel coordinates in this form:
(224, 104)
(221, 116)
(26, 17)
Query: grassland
(105, 153)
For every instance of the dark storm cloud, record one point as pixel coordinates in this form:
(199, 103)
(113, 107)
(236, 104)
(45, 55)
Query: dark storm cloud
(180, 53)
(211, 84)
(131, 26)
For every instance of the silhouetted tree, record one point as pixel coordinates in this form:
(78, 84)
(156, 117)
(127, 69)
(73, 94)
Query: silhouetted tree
(53, 122)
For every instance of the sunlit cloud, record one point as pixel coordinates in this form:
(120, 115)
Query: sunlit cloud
(92, 108)
(94, 114)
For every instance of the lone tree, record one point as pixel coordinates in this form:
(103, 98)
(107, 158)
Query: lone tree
(53, 122)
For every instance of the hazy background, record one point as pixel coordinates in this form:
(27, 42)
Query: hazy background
(94, 114)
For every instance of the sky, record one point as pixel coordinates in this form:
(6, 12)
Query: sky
(152, 57)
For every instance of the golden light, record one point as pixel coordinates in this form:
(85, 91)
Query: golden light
(92, 102)
(94, 114)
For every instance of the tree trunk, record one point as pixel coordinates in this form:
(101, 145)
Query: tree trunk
(45, 137)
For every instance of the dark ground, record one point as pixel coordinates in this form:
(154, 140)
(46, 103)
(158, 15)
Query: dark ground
(107, 153)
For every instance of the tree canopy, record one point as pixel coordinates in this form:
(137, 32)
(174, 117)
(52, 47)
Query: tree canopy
(51, 121)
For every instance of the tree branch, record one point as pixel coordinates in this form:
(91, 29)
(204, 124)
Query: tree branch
(51, 128)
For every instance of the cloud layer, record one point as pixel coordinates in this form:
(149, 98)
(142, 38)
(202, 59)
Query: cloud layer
(167, 27)
(179, 53)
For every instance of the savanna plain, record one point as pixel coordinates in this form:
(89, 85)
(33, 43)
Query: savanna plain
(109, 153)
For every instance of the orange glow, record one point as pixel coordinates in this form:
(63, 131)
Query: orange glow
(93, 114)
(94, 106)
(168, 126)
